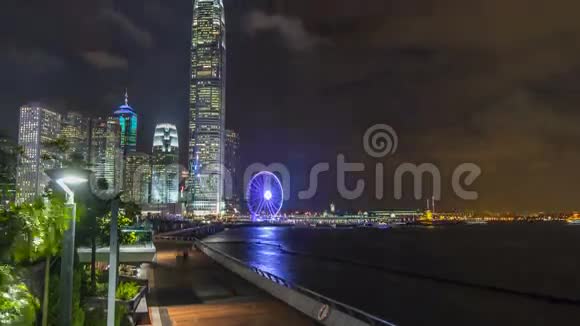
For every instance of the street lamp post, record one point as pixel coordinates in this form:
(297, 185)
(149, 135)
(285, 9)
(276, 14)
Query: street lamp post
(114, 196)
(65, 178)
(67, 262)
(113, 263)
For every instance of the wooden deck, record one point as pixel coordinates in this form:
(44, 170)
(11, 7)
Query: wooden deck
(197, 291)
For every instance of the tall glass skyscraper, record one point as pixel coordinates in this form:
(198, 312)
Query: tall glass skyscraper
(137, 178)
(75, 129)
(207, 108)
(232, 164)
(37, 126)
(106, 156)
(165, 167)
(128, 123)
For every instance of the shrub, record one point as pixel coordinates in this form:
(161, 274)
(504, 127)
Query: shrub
(127, 290)
(17, 305)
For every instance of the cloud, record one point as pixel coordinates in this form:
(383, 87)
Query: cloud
(105, 60)
(139, 35)
(519, 127)
(33, 60)
(292, 30)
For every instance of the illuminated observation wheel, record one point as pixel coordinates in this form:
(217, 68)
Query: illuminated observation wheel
(264, 195)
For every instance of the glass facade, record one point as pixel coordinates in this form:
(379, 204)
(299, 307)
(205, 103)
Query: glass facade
(232, 164)
(106, 155)
(165, 168)
(75, 129)
(207, 108)
(37, 126)
(137, 178)
(128, 124)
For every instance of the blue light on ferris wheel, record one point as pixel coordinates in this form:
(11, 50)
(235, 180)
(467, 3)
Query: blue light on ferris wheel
(264, 195)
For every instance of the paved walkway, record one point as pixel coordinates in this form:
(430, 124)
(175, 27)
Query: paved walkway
(197, 291)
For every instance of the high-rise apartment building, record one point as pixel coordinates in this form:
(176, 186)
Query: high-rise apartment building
(207, 108)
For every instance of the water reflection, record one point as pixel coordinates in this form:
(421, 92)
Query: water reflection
(483, 255)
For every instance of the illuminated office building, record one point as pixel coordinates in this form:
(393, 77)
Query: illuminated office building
(232, 164)
(137, 178)
(106, 155)
(165, 167)
(37, 126)
(207, 108)
(75, 129)
(128, 124)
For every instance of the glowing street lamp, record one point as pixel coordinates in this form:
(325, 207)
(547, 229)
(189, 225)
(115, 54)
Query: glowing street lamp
(66, 178)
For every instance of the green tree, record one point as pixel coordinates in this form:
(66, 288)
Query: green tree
(88, 230)
(41, 237)
(78, 313)
(132, 210)
(17, 305)
(10, 226)
(59, 150)
(123, 221)
(9, 152)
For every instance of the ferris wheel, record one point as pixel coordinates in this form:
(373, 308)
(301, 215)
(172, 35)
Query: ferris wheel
(264, 195)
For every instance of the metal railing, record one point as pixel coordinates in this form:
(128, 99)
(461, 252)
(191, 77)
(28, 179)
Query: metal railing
(333, 304)
(189, 235)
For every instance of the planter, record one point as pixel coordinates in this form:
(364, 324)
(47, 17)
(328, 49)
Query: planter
(131, 305)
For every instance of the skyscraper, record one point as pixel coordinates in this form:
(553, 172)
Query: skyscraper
(106, 155)
(232, 164)
(137, 178)
(75, 129)
(38, 126)
(165, 167)
(207, 107)
(128, 124)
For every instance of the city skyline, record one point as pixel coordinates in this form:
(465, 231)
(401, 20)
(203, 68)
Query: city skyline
(289, 162)
(296, 74)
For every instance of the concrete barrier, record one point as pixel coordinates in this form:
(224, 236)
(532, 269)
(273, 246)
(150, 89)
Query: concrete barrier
(325, 310)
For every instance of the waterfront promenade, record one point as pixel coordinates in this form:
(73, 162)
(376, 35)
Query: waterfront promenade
(197, 291)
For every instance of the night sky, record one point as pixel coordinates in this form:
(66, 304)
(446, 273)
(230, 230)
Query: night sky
(493, 82)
